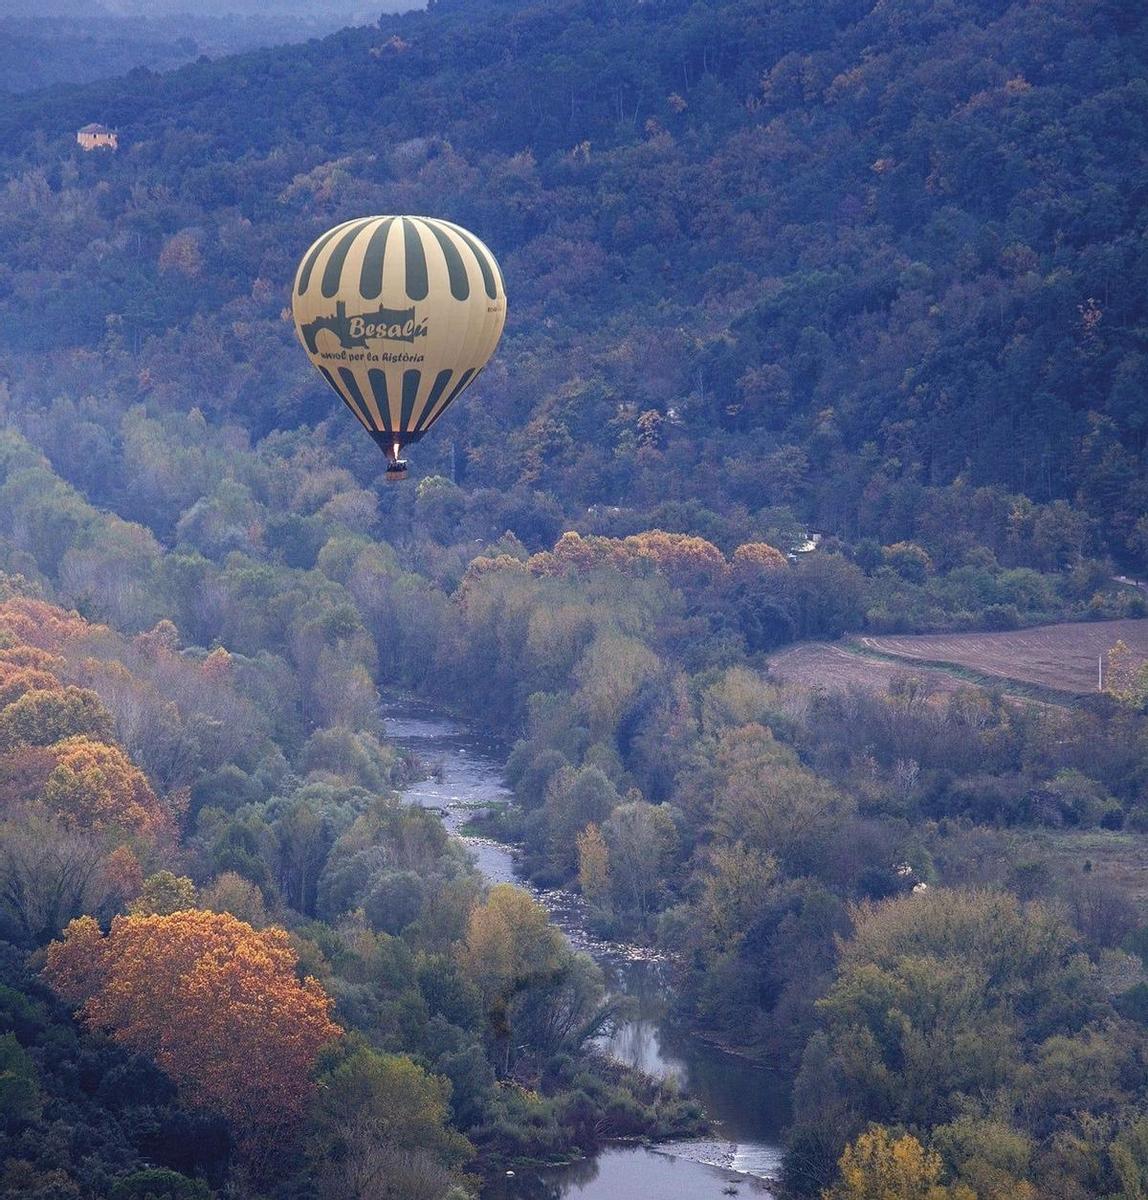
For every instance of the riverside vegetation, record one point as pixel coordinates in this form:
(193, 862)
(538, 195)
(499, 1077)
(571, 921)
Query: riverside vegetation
(772, 267)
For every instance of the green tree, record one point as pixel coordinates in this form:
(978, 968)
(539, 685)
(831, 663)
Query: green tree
(164, 893)
(574, 799)
(1129, 1155)
(642, 841)
(947, 993)
(379, 1130)
(989, 1156)
(774, 804)
(158, 1183)
(50, 873)
(40, 718)
(21, 1099)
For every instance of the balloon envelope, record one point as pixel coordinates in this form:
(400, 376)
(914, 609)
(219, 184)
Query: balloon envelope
(399, 315)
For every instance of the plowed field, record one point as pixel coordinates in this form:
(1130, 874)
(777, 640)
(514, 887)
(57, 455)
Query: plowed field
(1063, 657)
(1054, 661)
(835, 667)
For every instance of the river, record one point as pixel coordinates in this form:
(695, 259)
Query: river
(747, 1104)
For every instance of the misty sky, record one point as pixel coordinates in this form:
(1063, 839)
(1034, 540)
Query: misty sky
(350, 12)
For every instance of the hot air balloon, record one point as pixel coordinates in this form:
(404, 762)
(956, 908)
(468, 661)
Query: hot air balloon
(399, 315)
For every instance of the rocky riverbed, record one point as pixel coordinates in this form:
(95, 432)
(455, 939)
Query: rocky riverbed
(747, 1103)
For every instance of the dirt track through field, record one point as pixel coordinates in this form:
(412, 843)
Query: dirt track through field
(1063, 657)
(834, 668)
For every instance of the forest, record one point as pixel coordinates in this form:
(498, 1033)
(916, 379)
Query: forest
(774, 269)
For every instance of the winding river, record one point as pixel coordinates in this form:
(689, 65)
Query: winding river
(747, 1103)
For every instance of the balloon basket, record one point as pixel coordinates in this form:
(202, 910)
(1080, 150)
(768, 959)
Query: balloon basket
(396, 470)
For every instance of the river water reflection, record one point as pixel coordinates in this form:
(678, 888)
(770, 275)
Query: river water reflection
(747, 1103)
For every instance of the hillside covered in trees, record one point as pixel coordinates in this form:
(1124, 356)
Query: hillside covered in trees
(762, 257)
(773, 267)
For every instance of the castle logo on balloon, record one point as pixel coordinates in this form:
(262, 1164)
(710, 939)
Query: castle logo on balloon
(384, 324)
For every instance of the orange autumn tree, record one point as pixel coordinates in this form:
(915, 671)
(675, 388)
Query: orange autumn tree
(214, 1002)
(96, 786)
(31, 657)
(686, 560)
(576, 554)
(15, 681)
(38, 623)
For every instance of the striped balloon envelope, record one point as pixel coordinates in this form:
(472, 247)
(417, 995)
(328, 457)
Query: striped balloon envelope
(399, 315)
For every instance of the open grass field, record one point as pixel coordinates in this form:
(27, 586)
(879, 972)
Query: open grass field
(1118, 858)
(1061, 657)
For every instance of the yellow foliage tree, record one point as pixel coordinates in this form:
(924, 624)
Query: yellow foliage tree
(40, 717)
(878, 1166)
(484, 564)
(593, 864)
(96, 786)
(216, 667)
(15, 681)
(686, 560)
(231, 893)
(574, 553)
(1125, 676)
(754, 558)
(509, 941)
